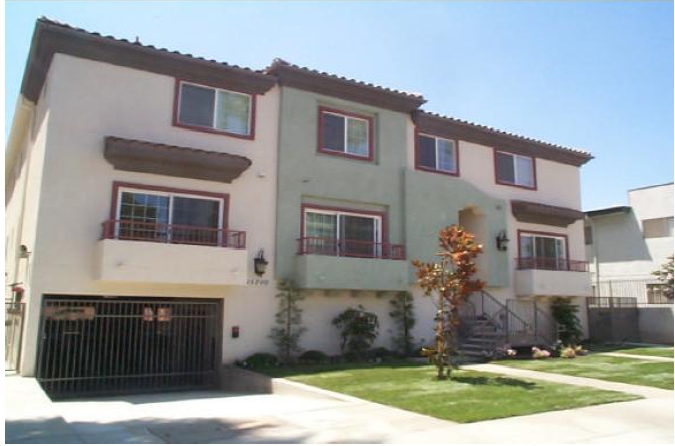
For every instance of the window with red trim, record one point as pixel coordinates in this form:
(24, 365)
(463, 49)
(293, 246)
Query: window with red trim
(515, 170)
(215, 109)
(345, 134)
(436, 154)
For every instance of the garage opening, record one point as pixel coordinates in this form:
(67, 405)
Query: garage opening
(104, 346)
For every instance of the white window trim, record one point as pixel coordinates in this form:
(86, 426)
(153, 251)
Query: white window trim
(221, 202)
(377, 237)
(215, 107)
(516, 181)
(346, 135)
(537, 235)
(436, 150)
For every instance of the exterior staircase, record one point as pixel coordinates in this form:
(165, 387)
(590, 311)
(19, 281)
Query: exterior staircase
(483, 339)
(487, 325)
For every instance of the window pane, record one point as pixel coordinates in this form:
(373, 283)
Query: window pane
(357, 137)
(143, 216)
(332, 132)
(505, 168)
(195, 221)
(196, 105)
(446, 155)
(320, 233)
(320, 225)
(526, 246)
(358, 235)
(427, 152)
(524, 171)
(195, 212)
(233, 112)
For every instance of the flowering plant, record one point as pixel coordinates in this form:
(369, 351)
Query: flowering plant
(540, 353)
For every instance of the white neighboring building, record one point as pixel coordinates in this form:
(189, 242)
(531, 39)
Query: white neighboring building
(625, 244)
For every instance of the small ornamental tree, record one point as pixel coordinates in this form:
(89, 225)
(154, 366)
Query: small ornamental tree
(286, 335)
(665, 276)
(403, 313)
(449, 283)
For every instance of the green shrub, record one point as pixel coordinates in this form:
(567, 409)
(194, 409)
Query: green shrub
(565, 315)
(313, 357)
(380, 353)
(358, 330)
(261, 360)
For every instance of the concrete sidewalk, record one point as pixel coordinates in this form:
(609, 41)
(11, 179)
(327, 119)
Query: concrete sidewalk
(316, 416)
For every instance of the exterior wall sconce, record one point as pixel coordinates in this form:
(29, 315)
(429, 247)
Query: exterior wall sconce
(23, 252)
(259, 263)
(502, 240)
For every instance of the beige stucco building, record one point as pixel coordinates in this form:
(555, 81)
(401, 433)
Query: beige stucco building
(142, 185)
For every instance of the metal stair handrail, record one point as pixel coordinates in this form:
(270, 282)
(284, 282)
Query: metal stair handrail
(512, 322)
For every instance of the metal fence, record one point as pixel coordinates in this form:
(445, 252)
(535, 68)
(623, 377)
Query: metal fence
(613, 319)
(646, 291)
(13, 329)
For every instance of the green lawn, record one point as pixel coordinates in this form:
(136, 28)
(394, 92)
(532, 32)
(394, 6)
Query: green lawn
(609, 368)
(666, 352)
(468, 397)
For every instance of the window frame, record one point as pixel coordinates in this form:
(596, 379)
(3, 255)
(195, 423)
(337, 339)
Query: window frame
(213, 129)
(381, 216)
(369, 120)
(553, 235)
(120, 187)
(418, 166)
(514, 184)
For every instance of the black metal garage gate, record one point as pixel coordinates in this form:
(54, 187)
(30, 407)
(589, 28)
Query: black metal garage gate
(102, 346)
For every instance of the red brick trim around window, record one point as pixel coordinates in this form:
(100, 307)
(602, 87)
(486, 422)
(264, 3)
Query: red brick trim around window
(504, 183)
(119, 184)
(197, 128)
(371, 129)
(427, 169)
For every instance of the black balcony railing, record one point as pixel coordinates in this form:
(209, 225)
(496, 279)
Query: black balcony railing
(551, 264)
(350, 248)
(178, 234)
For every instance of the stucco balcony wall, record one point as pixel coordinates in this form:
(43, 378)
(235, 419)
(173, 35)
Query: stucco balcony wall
(349, 273)
(535, 282)
(140, 261)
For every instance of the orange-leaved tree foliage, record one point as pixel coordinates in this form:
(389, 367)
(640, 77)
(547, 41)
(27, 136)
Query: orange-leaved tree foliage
(450, 283)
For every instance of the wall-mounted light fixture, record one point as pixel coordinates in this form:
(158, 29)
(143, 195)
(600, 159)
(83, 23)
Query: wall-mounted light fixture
(23, 252)
(259, 263)
(502, 240)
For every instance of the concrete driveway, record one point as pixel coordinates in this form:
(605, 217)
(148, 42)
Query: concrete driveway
(311, 416)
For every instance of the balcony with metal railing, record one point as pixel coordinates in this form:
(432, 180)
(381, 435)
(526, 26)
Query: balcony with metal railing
(549, 276)
(350, 248)
(133, 251)
(333, 264)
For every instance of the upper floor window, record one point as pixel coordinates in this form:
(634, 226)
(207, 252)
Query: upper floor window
(346, 134)
(515, 170)
(658, 227)
(214, 109)
(436, 154)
